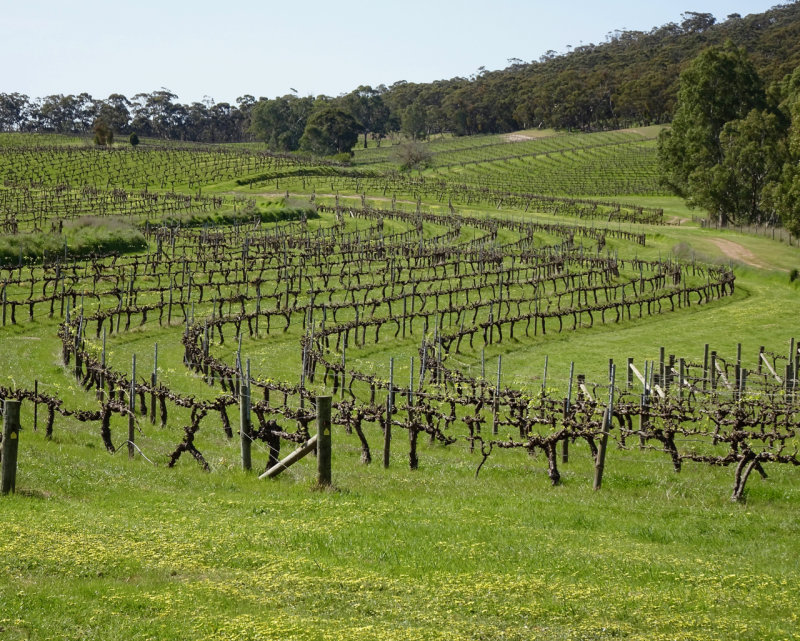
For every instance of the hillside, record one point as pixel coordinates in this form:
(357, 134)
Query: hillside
(171, 312)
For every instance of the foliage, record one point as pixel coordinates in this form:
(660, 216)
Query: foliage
(784, 193)
(133, 139)
(751, 158)
(281, 122)
(82, 237)
(265, 212)
(366, 105)
(719, 86)
(330, 131)
(412, 155)
(733, 148)
(103, 134)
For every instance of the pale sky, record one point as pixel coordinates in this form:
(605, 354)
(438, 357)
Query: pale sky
(198, 48)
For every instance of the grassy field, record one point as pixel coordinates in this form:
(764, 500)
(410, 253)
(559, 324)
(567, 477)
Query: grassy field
(96, 546)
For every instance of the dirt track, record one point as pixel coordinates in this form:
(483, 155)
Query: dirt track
(739, 253)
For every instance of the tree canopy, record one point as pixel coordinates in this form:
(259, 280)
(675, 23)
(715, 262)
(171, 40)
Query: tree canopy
(330, 131)
(732, 148)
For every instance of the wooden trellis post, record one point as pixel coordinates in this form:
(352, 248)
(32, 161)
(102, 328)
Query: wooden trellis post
(323, 440)
(601, 451)
(244, 418)
(132, 407)
(567, 405)
(10, 447)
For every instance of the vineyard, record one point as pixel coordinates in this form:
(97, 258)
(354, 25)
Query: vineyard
(484, 321)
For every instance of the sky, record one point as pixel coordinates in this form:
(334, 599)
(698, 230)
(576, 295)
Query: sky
(200, 49)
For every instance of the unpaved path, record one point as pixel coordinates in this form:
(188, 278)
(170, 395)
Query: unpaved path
(518, 137)
(739, 253)
(523, 136)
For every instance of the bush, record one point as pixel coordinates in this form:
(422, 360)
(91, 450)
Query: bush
(103, 134)
(343, 158)
(411, 155)
(793, 275)
(83, 237)
(266, 212)
(133, 139)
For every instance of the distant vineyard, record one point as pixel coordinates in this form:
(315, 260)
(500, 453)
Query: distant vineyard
(603, 164)
(158, 168)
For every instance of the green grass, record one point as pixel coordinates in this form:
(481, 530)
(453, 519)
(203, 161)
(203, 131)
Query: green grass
(100, 547)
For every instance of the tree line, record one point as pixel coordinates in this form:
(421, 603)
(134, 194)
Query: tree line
(630, 79)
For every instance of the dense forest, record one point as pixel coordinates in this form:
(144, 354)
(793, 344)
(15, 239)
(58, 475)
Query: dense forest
(630, 79)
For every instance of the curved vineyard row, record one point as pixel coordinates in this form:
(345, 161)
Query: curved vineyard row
(345, 288)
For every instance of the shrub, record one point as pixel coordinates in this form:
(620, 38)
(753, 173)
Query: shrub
(343, 158)
(103, 134)
(83, 237)
(266, 212)
(793, 275)
(411, 155)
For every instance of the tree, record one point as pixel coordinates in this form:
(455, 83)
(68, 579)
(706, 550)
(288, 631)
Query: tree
(719, 86)
(752, 157)
(414, 121)
(783, 194)
(366, 105)
(114, 111)
(103, 134)
(281, 122)
(411, 155)
(330, 131)
(156, 114)
(14, 111)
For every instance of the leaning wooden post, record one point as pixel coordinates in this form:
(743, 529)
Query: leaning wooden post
(244, 418)
(132, 407)
(8, 482)
(601, 451)
(323, 440)
(713, 372)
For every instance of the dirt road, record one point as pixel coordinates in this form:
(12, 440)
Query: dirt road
(739, 253)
